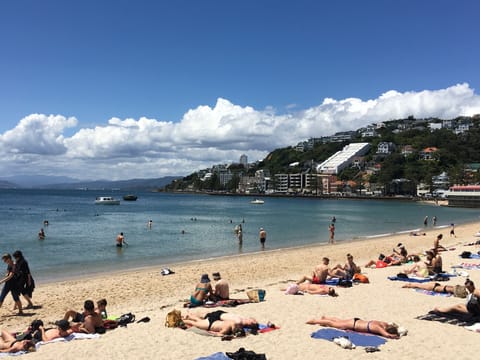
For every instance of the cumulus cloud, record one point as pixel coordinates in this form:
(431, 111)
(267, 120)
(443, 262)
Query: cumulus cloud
(128, 148)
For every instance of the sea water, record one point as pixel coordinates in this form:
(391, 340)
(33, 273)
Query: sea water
(80, 237)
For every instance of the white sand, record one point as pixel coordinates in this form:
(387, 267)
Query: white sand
(147, 293)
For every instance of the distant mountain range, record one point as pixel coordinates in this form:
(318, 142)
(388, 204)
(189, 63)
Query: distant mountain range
(65, 183)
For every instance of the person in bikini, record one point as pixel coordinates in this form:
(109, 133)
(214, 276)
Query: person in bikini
(9, 344)
(215, 325)
(472, 305)
(457, 290)
(382, 328)
(203, 290)
(224, 316)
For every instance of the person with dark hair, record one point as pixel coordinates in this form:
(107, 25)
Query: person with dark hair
(216, 326)
(11, 281)
(472, 305)
(203, 290)
(9, 344)
(63, 329)
(88, 321)
(382, 328)
(26, 282)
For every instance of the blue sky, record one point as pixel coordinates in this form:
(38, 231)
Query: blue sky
(121, 89)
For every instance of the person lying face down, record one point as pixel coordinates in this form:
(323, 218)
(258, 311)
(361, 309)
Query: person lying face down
(382, 328)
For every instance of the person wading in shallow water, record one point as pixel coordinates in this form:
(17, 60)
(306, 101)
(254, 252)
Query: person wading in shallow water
(263, 237)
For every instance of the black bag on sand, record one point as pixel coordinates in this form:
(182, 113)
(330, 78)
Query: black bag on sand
(126, 319)
(242, 354)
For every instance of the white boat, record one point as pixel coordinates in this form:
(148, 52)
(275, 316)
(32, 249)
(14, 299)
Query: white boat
(106, 200)
(257, 201)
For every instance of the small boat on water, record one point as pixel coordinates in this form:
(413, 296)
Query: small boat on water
(257, 202)
(106, 200)
(130, 197)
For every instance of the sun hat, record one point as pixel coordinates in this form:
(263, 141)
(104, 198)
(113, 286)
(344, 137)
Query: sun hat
(205, 279)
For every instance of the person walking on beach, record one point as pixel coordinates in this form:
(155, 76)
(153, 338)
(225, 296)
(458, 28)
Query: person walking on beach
(331, 228)
(11, 281)
(452, 230)
(26, 282)
(263, 237)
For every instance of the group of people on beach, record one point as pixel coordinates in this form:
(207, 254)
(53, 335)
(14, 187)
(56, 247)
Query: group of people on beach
(18, 281)
(204, 290)
(89, 321)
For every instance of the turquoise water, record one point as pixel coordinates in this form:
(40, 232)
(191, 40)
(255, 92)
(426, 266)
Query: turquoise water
(80, 238)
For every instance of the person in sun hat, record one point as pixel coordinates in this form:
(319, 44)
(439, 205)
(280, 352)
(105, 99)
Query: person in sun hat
(203, 290)
(221, 290)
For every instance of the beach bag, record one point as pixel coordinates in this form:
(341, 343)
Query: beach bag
(242, 354)
(174, 319)
(125, 319)
(256, 295)
(465, 254)
(345, 283)
(360, 278)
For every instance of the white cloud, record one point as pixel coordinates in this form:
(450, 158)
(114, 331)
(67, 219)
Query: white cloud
(131, 148)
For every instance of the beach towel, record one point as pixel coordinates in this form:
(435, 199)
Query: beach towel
(475, 327)
(453, 318)
(471, 256)
(227, 303)
(468, 266)
(357, 338)
(215, 356)
(409, 279)
(432, 293)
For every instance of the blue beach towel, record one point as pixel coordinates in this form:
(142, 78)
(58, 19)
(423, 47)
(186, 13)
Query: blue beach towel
(215, 356)
(409, 279)
(359, 339)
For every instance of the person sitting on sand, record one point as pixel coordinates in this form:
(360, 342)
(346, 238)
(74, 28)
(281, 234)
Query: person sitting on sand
(434, 262)
(203, 290)
(419, 268)
(224, 316)
(88, 321)
(400, 252)
(349, 269)
(9, 344)
(436, 244)
(457, 290)
(221, 290)
(472, 305)
(320, 274)
(382, 328)
(314, 289)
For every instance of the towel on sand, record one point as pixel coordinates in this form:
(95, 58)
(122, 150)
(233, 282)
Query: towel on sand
(433, 293)
(454, 318)
(215, 356)
(409, 279)
(359, 339)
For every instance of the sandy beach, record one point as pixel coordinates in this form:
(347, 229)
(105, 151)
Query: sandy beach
(145, 292)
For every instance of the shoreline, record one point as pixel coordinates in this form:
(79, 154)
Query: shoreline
(145, 292)
(158, 267)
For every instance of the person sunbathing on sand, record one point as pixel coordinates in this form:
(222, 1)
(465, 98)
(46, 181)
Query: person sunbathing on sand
(215, 326)
(9, 344)
(419, 268)
(472, 305)
(314, 289)
(224, 316)
(382, 328)
(457, 290)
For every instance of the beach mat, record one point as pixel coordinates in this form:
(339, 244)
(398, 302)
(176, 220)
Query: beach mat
(468, 266)
(358, 339)
(432, 293)
(453, 318)
(409, 279)
(215, 356)
(228, 303)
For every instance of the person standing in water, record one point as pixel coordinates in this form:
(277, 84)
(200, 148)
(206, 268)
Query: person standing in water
(263, 237)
